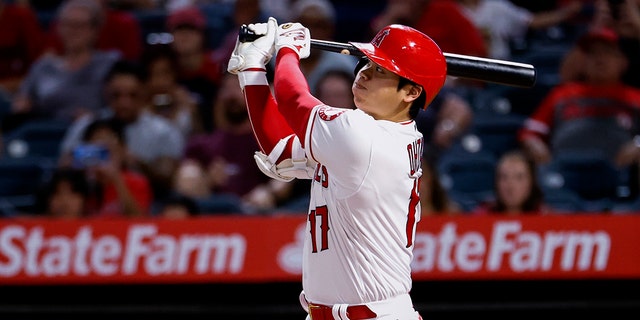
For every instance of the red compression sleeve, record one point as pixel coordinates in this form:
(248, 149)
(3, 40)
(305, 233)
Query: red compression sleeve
(268, 124)
(295, 101)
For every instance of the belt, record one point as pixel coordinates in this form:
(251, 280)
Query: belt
(355, 312)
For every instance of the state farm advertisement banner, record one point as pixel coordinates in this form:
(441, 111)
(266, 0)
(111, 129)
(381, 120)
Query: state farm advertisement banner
(259, 249)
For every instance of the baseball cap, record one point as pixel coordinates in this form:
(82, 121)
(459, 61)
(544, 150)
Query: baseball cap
(600, 35)
(187, 17)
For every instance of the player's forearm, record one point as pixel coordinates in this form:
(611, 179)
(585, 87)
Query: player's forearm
(295, 101)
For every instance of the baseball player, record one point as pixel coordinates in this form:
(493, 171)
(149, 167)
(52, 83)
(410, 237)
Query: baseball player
(364, 163)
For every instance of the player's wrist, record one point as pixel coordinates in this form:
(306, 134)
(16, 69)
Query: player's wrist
(253, 77)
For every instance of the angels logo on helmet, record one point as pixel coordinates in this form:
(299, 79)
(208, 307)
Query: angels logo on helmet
(377, 41)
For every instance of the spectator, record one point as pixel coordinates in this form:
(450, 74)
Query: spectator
(119, 31)
(626, 24)
(220, 164)
(155, 145)
(65, 195)
(503, 23)
(198, 70)
(334, 88)
(178, 206)
(599, 113)
(516, 188)
(117, 191)
(167, 97)
(434, 199)
(20, 43)
(442, 20)
(319, 16)
(244, 12)
(444, 121)
(68, 85)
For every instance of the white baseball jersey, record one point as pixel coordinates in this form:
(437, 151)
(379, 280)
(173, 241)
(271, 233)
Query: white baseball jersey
(364, 206)
(364, 203)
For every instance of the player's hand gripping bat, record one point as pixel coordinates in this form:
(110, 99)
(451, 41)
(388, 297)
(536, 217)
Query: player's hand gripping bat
(463, 66)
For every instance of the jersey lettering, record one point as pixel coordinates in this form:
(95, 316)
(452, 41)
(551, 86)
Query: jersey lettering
(414, 153)
(321, 175)
(323, 214)
(414, 202)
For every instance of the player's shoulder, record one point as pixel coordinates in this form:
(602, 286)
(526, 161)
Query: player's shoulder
(329, 113)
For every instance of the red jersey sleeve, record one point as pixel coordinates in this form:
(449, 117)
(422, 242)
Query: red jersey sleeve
(541, 119)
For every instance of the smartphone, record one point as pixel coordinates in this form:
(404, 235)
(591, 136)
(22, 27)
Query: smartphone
(87, 155)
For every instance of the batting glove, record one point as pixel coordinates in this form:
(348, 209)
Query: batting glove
(294, 36)
(256, 54)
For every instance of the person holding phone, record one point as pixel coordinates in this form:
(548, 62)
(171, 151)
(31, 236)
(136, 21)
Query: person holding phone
(115, 190)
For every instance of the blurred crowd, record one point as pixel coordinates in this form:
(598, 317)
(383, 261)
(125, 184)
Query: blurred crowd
(112, 108)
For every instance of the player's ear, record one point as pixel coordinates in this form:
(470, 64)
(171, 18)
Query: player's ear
(414, 91)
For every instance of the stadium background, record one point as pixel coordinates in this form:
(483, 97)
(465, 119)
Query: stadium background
(437, 299)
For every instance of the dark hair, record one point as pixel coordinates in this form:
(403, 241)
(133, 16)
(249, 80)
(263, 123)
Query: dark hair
(439, 195)
(114, 125)
(182, 200)
(534, 201)
(155, 52)
(126, 67)
(76, 179)
(416, 105)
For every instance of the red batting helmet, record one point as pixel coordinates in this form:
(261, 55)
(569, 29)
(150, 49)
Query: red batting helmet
(410, 54)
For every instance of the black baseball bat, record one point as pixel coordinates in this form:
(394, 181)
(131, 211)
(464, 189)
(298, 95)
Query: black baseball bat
(502, 72)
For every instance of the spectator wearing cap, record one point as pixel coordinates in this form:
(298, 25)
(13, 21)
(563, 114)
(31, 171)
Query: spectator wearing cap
(198, 70)
(320, 17)
(624, 19)
(596, 112)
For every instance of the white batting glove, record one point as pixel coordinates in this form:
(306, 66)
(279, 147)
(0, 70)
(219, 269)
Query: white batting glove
(294, 36)
(255, 54)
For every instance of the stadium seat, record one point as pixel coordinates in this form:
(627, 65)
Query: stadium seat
(590, 174)
(497, 133)
(468, 175)
(20, 181)
(562, 200)
(36, 139)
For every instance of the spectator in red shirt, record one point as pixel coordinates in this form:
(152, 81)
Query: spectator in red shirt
(117, 191)
(20, 44)
(442, 20)
(596, 113)
(120, 31)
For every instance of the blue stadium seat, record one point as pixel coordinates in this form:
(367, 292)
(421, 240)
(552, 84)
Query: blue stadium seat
(36, 139)
(590, 174)
(497, 133)
(468, 176)
(562, 200)
(20, 181)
